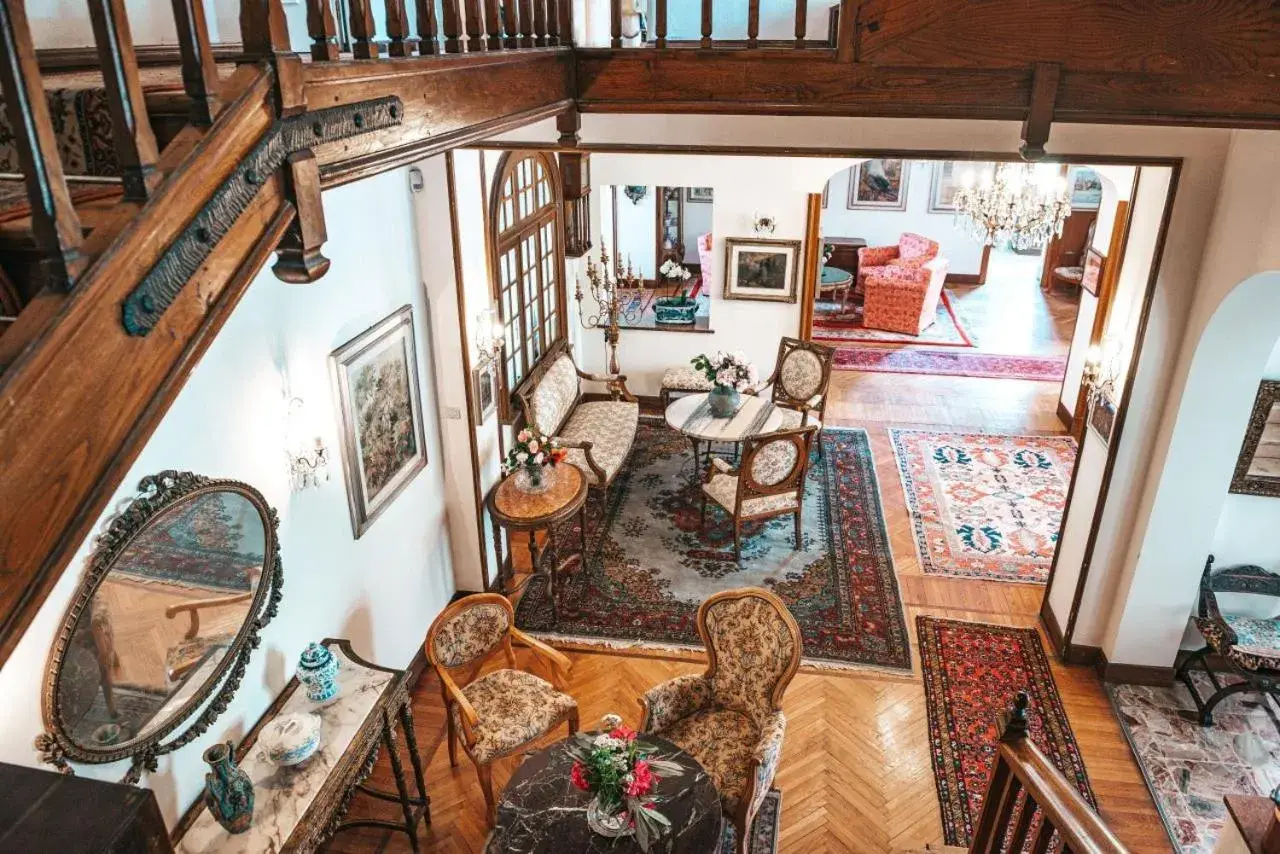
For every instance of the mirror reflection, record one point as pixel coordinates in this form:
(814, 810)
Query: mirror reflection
(162, 619)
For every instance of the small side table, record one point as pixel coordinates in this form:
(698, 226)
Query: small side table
(518, 511)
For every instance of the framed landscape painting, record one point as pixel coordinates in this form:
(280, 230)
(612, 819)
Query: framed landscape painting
(1258, 467)
(375, 381)
(879, 185)
(1086, 189)
(484, 392)
(699, 194)
(761, 269)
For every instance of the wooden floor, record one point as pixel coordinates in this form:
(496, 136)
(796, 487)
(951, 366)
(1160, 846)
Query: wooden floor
(855, 773)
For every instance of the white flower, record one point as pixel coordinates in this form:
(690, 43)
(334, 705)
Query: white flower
(537, 459)
(522, 457)
(725, 376)
(608, 742)
(533, 446)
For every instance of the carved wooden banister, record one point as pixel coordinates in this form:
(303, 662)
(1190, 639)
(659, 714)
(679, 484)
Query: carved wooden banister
(428, 28)
(398, 29)
(130, 125)
(475, 26)
(323, 30)
(199, 71)
(1024, 785)
(364, 35)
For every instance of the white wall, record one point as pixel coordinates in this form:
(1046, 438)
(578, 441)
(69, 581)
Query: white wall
(381, 591)
(883, 228)
(637, 228)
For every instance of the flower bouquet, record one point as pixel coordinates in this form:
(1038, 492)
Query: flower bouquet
(679, 307)
(530, 457)
(730, 374)
(622, 773)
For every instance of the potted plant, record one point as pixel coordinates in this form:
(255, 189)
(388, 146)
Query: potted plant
(730, 374)
(532, 459)
(680, 308)
(621, 771)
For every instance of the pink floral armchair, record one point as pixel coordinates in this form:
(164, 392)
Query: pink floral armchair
(904, 299)
(730, 717)
(912, 251)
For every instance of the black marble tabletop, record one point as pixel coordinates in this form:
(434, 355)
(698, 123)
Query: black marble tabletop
(541, 811)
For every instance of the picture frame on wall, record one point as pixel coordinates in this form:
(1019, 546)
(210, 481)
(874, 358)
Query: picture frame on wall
(1258, 466)
(1102, 418)
(761, 269)
(484, 392)
(699, 195)
(1086, 189)
(375, 383)
(879, 184)
(945, 180)
(826, 194)
(1094, 263)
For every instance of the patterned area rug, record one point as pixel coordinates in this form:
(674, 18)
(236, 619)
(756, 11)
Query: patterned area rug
(972, 671)
(650, 563)
(209, 543)
(985, 506)
(1189, 768)
(764, 832)
(951, 363)
(836, 327)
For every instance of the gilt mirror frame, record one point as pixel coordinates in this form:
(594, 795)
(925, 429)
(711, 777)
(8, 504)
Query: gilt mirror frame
(157, 495)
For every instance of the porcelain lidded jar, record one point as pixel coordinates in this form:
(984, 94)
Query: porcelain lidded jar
(318, 670)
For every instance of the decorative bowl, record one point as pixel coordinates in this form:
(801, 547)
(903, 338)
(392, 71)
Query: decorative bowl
(291, 739)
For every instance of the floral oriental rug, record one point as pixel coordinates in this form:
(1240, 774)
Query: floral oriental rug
(972, 672)
(951, 363)
(985, 506)
(650, 562)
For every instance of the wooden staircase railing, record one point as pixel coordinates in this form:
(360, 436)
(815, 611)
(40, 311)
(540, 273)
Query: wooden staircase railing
(1030, 803)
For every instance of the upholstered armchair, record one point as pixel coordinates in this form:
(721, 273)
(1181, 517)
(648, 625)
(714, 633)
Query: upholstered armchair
(502, 711)
(912, 250)
(768, 482)
(1250, 646)
(904, 299)
(799, 382)
(730, 717)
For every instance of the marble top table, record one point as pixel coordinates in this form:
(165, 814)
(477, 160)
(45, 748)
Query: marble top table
(518, 511)
(691, 415)
(541, 812)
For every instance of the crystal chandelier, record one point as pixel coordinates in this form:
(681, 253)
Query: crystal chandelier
(1015, 202)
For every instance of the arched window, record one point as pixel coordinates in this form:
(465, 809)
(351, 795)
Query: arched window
(528, 260)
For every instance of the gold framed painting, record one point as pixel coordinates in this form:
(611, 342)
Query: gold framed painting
(1091, 278)
(1258, 467)
(761, 269)
(879, 185)
(375, 381)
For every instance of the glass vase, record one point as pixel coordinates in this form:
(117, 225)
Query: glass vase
(228, 791)
(724, 401)
(535, 480)
(610, 824)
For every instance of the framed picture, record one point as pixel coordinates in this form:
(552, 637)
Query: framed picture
(946, 180)
(699, 194)
(1086, 189)
(761, 269)
(826, 193)
(484, 391)
(1094, 261)
(879, 185)
(375, 379)
(1102, 418)
(1258, 467)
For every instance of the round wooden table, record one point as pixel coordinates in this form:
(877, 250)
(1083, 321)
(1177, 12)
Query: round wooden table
(838, 282)
(691, 415)
(542, 812)
(519, 511)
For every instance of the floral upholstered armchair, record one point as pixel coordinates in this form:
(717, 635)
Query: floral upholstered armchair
(730, 717)
(799, 383)
(912, 252)
(503, 710)
(1249, 645)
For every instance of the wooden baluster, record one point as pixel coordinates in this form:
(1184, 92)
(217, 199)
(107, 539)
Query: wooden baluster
(493, 23)
(1018, 840)
(363, 31)
(553, 22)
(526, 22)
(398, 29)
(509, 24)
(427, 31)
(540, 23)
(131, 128)
(846, 35)
(264, 30)
(1044, 837)
(475, 26)
(660, 24)
(54, 224)
(615, 23)
(452, 26)
(706, 22)
(802, 21)
(199, 71)
(566, 21)
(753, 23)
(323, 29)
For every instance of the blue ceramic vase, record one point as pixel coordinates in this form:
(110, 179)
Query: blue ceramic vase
(228, 791)
(318, 670)
(724, 401)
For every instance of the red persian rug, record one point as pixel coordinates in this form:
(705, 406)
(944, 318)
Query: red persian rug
(985, 506)
(650, 562)
(972, 671)
(833, 326)
(951, 363)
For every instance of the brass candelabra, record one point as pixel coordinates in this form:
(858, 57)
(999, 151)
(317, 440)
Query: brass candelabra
(614, 303)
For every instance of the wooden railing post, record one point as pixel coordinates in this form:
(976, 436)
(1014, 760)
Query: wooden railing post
(428, 30)
(452, 25)
(802, 22)
(493, 23)
(54, 224)
(298, 257)
(398, 29)
(526, 22)
(660, 24)
(615, 23)
(363, 31)
(265, 33)
(566, 21)
(510, 25)
(553, 22)
(753, 23)
(130, 125)
(475, 26)
(846, 36)
(323, 29)
(540, 23)
(199, 71)
(707, 18)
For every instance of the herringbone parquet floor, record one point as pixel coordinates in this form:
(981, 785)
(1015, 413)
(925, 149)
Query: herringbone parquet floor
(855, 773)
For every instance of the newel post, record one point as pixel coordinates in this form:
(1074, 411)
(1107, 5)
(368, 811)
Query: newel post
(1013, 723)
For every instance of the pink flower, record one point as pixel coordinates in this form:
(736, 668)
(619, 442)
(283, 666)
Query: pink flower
(523, 436)
(624, 733)
(642, 780)
(533, 446)
(578, 776)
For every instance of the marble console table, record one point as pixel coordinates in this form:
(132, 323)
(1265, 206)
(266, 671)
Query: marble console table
(297, 809)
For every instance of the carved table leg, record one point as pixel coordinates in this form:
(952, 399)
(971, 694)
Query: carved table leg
(503, 578)
(411, 741)
(389, 739)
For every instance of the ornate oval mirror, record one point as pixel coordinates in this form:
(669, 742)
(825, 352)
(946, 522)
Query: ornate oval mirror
(167, 615)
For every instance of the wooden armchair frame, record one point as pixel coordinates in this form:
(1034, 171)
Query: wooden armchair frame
(748, 805)
(558, 666)
(749, 488)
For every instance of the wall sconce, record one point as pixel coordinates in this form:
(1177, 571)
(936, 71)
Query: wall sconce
(308, 458)
(764, 225)
(1101, 372)
(635, 193)
(490, 335)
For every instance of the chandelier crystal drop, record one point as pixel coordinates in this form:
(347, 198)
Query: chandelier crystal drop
(1015, 202)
